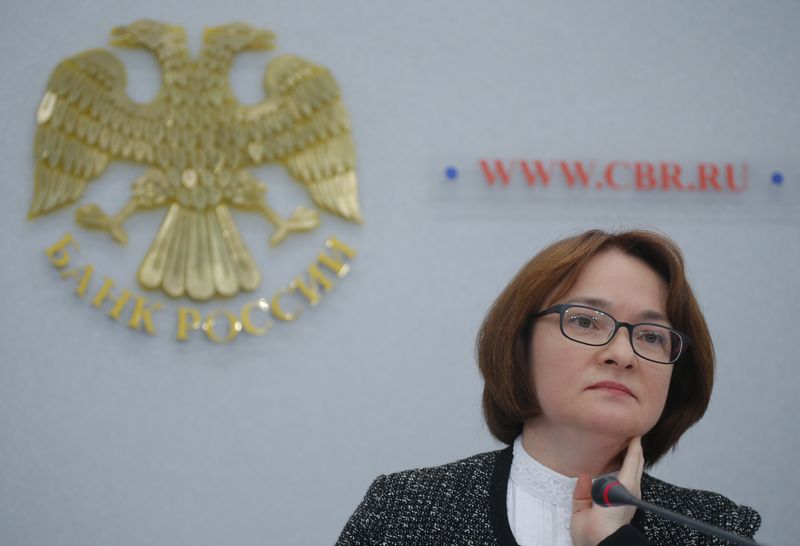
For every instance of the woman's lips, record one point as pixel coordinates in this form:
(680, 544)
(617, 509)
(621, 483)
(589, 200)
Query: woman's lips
(612, 388)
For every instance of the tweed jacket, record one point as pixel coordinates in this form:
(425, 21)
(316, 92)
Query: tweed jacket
(465, 503)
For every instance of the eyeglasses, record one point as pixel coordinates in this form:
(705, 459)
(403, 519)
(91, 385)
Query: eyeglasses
(590, 326)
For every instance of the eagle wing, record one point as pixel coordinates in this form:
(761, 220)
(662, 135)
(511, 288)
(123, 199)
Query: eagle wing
(303, 124)
(84, 120)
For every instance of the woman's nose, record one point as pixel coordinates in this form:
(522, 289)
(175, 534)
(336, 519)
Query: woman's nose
(619, 351)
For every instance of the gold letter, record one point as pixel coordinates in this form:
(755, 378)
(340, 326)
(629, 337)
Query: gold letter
(234, 326)
(278, 311)
(335, 244)
(317, 278)
(249, 327)
(58, 254)
(310, 292)
(87, 274)
(142, 314)
(183, 312)
(335, 263)
(104, 294)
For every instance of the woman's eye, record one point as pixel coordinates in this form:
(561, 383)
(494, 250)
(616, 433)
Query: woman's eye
(582, 321)
(651, 338)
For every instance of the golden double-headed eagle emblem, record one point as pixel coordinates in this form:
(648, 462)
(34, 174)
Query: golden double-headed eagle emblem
(198, 143)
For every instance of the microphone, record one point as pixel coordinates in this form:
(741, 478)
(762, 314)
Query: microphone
(608, 491)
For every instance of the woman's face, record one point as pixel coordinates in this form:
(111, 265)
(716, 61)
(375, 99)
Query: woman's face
(581, 387)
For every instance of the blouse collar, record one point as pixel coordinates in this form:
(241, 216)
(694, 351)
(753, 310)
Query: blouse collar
(539, 481)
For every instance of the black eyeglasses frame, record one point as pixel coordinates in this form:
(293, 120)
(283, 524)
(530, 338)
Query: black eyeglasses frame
(561, 308)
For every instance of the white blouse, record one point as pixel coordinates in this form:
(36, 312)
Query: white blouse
(539, 501)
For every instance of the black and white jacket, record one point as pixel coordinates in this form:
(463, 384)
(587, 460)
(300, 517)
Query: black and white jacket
(465, 503)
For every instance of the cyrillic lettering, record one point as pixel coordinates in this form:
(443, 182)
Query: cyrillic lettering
(105, 294)
(317, 278)
(277, 309)
(234, 326)
(247, 323)
(85, 278)
(143, 315)
(58, 253)
(340, 249)
(185, 313)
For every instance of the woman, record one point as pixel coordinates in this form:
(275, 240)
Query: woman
(596, 358)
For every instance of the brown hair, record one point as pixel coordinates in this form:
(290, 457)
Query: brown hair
(503, 343)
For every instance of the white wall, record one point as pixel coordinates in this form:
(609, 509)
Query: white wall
(110, 437)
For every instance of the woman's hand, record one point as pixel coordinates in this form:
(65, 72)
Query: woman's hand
(590, 523)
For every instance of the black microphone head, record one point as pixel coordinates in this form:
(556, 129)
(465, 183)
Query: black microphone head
(607, 491)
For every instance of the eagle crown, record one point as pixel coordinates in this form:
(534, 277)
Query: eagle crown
(238, 37)
(149, 34)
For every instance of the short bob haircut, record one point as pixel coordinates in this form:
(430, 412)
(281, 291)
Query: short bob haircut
(503, 344)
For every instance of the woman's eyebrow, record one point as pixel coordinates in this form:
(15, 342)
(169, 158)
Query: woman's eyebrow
(593, 302)
(649, 314)
(653, 315)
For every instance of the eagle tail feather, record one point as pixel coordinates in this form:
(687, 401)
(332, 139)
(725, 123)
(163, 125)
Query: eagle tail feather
(174, 280)
(225, 279)
(199, 280)
(199, 254)
(246, 270)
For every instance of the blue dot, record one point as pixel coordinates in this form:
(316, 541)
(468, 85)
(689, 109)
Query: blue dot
(777, 178)
(451, 173)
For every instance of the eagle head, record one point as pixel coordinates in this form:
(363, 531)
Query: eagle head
(239, 37)
(148, 34)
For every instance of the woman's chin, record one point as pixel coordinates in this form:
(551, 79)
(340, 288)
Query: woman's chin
(614, 423)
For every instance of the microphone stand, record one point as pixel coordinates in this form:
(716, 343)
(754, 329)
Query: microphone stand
(608, 491)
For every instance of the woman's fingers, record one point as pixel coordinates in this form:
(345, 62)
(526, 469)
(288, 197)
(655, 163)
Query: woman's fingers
(590, 524)
(582, 496)
(630, 475)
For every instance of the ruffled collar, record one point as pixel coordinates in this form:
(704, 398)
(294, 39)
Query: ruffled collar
(539, 481)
